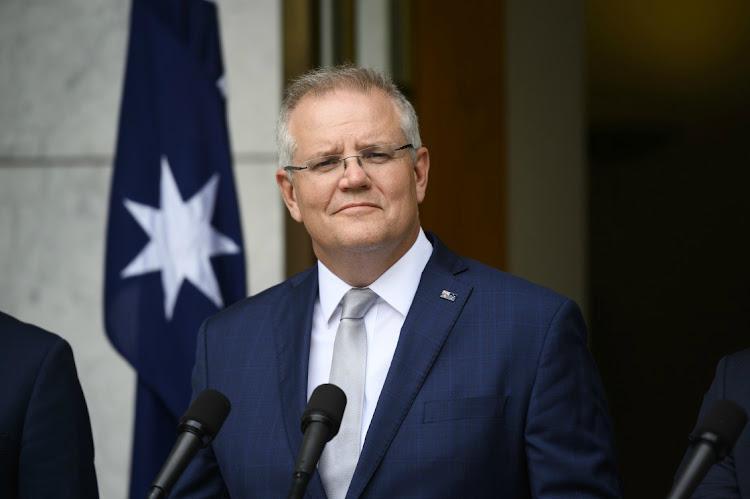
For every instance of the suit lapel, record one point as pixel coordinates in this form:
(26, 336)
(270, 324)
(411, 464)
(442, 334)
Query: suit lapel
(292, 326)
(428, 323)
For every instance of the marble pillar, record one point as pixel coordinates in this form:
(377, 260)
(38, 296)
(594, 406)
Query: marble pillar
(61, 72)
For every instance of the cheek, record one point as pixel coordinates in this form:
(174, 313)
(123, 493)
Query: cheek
(312, 203)
(306, 196)
(403, 194)
(399, 207)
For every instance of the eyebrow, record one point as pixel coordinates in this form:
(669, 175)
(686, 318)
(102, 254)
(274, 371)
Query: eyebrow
(325, 152)
(360, 146)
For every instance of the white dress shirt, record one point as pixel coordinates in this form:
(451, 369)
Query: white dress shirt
(396, 289)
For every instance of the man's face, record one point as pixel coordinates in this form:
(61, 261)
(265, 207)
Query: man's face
(354, 209)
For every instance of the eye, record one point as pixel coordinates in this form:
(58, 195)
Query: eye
(377, 155)
(324, 164)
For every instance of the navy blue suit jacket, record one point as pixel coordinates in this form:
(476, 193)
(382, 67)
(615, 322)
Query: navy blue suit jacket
(46, 448)
(729, 478)
(494, 394)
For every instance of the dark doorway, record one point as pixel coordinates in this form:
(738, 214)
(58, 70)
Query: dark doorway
(669, 122)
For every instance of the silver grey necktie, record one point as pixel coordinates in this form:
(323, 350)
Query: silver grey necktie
(341, 454)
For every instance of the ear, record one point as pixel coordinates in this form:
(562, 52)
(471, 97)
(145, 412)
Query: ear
(421, 172)
(286, 186)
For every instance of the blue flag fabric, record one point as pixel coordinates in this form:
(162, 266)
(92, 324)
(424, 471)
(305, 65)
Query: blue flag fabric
(174, 246)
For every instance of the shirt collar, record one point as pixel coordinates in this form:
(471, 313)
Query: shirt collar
(396, 286)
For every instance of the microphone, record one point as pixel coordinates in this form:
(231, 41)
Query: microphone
(320, 423)
(198, 426)
(713, 440)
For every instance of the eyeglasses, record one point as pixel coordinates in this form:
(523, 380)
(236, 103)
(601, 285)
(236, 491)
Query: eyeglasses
(374, 155)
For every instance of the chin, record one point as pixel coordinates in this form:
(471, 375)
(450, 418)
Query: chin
(362, 245)
(362, 242)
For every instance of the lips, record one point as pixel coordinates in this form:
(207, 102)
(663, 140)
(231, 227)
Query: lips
(356, 206)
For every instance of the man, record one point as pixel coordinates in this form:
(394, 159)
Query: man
(730, 477)
(472, 383)
(46, 448)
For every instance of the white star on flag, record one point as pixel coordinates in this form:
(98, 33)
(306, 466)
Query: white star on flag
(221, 84)
(182, 240)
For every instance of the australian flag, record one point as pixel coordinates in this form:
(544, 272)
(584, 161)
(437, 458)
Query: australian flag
(174, 247)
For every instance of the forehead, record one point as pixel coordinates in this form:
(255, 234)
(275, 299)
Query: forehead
(344, 115)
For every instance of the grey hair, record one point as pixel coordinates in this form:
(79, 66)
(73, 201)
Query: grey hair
(324, 80)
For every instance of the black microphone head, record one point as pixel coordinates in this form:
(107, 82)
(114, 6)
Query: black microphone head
(326, 404)
(722, 426)
(206, 415)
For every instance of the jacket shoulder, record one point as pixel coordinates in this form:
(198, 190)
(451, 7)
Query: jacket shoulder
(739, 359)
(484, 278)
(265, 300)
(736, 373)
(26, 341)
(509, 287)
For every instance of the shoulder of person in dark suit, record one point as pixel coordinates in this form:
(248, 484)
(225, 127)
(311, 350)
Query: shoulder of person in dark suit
(730, 477)
(46, 447)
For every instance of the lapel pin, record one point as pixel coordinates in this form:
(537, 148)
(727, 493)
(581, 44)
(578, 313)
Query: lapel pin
(447, 295)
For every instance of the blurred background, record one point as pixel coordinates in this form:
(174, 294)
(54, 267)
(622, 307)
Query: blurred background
(598, 148)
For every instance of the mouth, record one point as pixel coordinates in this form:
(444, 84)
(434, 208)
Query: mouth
(357, 207)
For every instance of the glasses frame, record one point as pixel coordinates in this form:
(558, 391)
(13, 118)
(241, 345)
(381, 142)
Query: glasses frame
(343, 160)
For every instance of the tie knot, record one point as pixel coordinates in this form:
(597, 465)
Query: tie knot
(357, 301)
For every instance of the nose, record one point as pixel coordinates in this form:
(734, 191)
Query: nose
(354, 178)
(359, 160)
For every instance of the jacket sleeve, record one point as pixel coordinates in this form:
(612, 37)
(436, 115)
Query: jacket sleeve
(569, 439)
(57, 451)
(202, 478)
